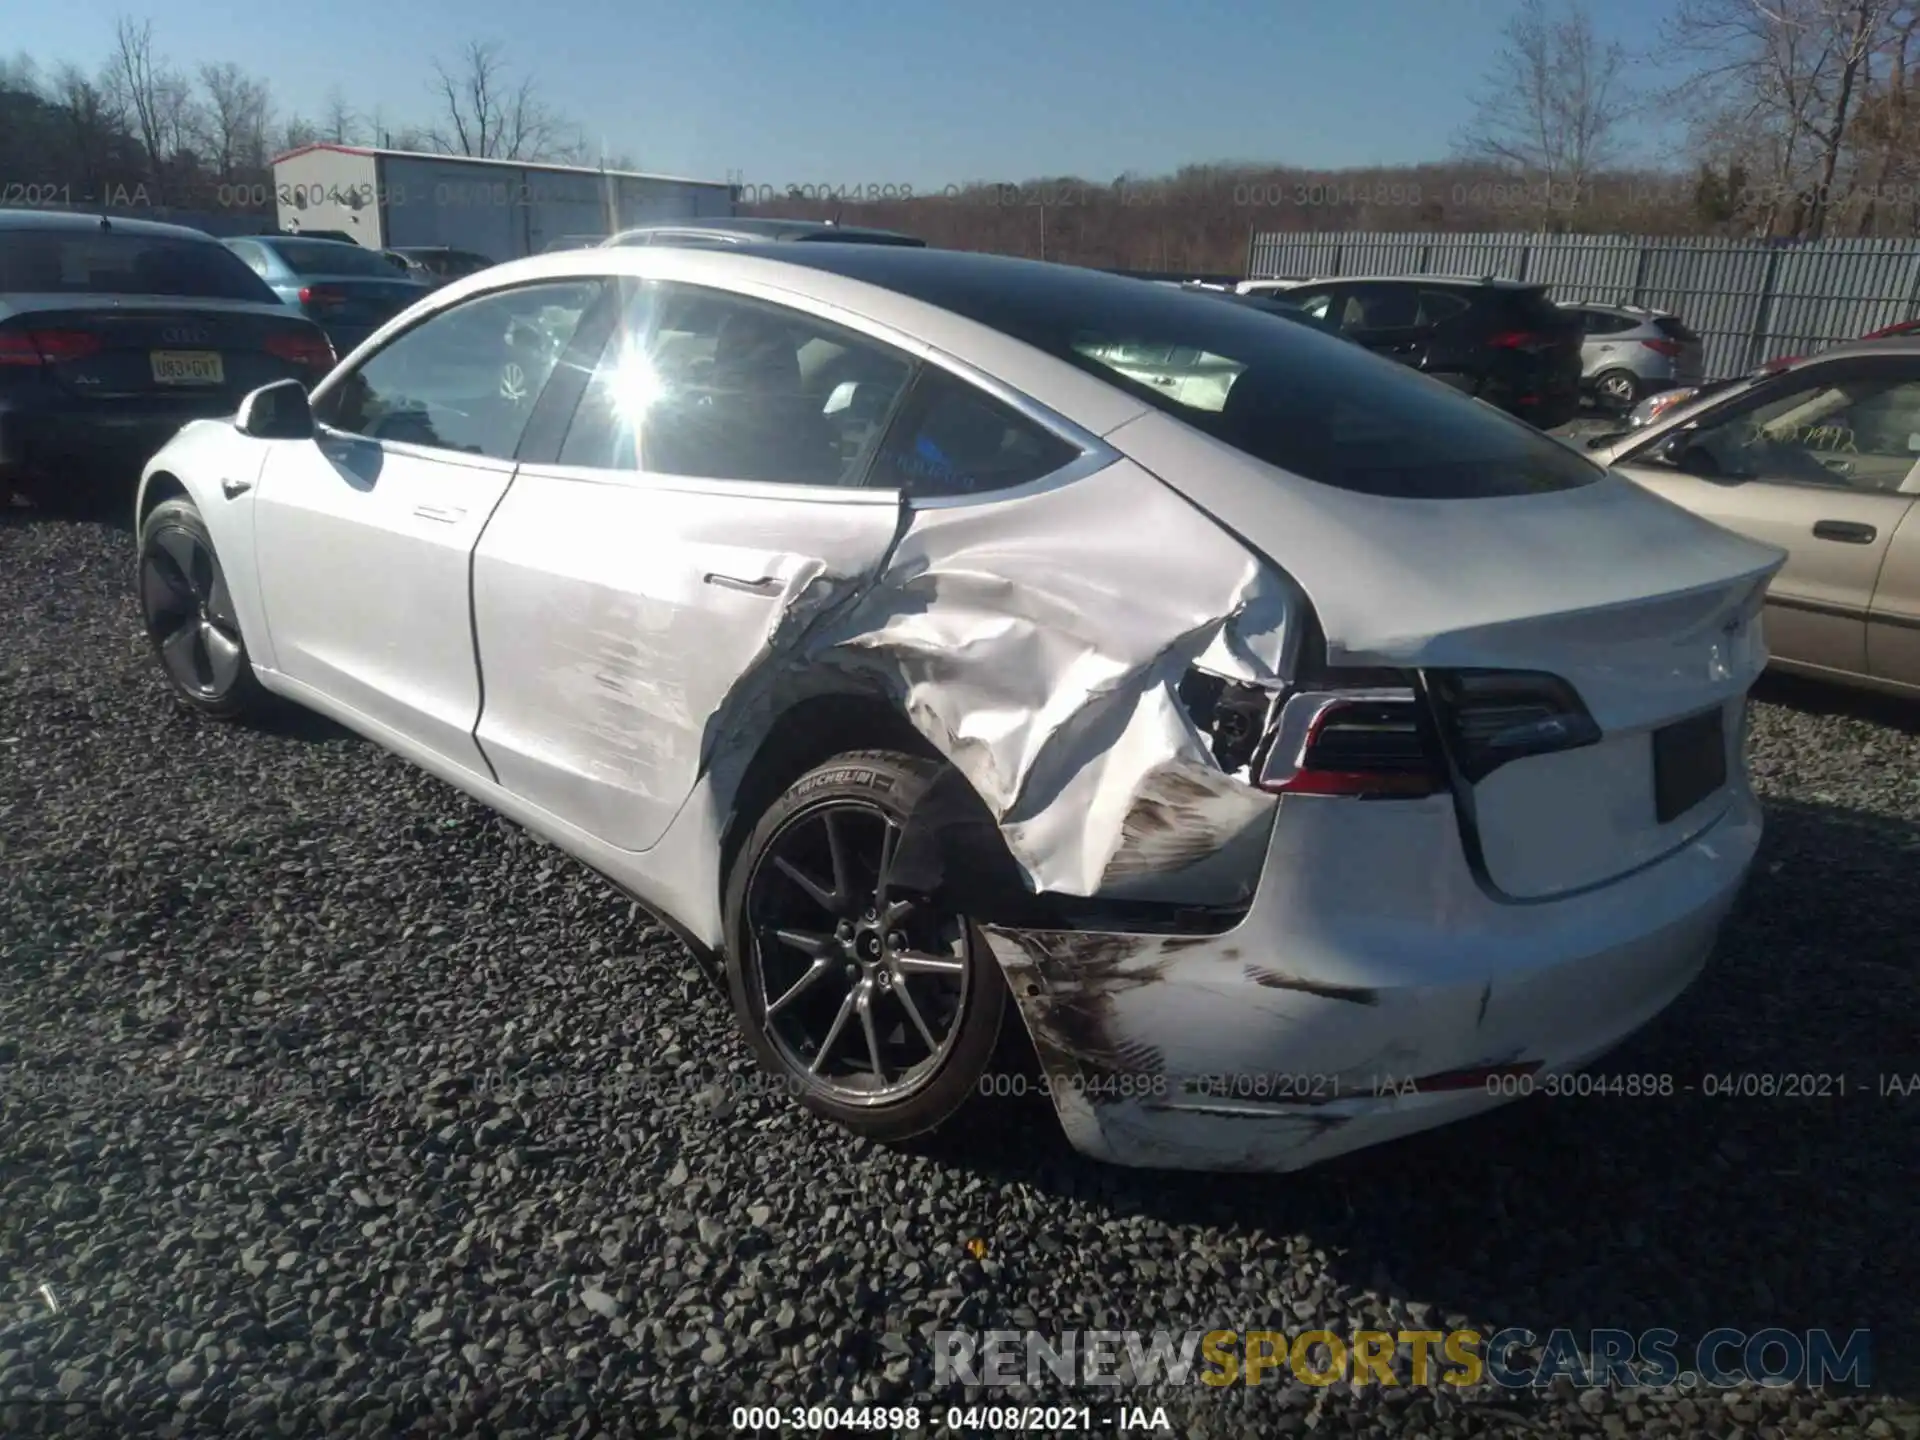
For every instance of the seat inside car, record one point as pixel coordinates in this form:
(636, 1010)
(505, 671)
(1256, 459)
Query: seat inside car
(758, 423)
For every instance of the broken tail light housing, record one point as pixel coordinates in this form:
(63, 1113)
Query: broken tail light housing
(1488, 718)
(1363, 743)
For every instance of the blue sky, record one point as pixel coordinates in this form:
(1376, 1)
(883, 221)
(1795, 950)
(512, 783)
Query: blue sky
(867, 92)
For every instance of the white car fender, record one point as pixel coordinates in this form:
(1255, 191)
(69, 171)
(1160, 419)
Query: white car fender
(206, 459)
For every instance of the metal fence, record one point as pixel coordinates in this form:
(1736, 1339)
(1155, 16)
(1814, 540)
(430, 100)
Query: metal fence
(1749, 300)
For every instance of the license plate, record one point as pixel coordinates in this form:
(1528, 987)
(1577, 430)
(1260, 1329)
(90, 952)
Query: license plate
(188, 367)
(1689, 763)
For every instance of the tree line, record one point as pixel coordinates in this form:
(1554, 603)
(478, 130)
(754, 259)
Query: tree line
(1797, 120)
(139, 123)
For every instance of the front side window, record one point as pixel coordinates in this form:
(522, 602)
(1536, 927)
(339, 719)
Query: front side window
(717, 386)
(465, 379)
(1861, 433)
(954, 439)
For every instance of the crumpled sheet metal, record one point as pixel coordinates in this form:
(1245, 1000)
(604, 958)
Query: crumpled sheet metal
(1038, 644)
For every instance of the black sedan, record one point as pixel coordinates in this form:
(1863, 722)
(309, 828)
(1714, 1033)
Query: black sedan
(114, 334)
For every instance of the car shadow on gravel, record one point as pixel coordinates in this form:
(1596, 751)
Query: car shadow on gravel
(1818, 697)
(1715, 1206)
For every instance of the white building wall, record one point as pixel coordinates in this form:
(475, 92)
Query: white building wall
(501, 210)
(328, 189)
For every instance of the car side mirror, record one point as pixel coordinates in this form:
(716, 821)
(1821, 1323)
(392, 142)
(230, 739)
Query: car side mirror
(1672, 450)
(280, 411)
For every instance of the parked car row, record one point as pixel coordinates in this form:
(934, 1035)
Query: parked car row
(1821, 458)
(1501, 341)
(115, 333)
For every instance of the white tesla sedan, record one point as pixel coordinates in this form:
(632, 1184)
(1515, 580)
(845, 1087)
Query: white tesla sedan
(1303, 760)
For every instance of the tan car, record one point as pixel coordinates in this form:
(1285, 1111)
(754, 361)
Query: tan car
(1822, 460)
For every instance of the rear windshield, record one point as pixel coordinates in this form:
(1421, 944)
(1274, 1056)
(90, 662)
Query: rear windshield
(1284, 393)
(1674, 329)
(99, 262)
(332, 257)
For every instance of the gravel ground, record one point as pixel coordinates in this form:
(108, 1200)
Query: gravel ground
(248, 980)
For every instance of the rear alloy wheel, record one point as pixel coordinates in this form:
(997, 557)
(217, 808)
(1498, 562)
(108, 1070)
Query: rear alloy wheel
(1619, 390)
(877, 1006)
(190, 618)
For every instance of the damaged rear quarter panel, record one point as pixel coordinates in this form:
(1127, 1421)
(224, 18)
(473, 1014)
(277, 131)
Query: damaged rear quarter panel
(1037, 641)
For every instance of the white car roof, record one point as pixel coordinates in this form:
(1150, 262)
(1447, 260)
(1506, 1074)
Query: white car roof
(899, 320)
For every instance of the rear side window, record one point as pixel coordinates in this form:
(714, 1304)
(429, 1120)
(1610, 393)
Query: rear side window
(1439, 306)
(252, 256)
(1381, 307)
(1309, 403)
(333, 257)
(1319, 407)
(954, 439)
(91, 262)
(717, 386)
(1675, 329)
(1602, 322)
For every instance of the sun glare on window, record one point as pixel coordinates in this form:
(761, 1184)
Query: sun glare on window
(635, 386)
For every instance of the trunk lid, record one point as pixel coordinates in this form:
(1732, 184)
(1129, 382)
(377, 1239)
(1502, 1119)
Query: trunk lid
(356, 301)
(111, 347)
(1648, 612)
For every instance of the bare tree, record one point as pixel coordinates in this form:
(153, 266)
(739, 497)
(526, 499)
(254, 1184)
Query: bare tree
(1785, 81)
(490, 114)
(157, 99)
(234, 119)
(1553, 108)
(294, 132)
(131, 72)
(339, 121)
(1885, 134)
(93, 121)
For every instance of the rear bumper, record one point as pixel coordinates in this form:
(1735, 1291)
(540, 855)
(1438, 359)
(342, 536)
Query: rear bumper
(1306, 1031)
(44, 438)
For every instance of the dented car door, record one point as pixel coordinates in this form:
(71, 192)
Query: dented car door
(705, 502)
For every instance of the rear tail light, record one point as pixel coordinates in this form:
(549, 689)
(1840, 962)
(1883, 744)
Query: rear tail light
(1361, 743)
(300, 348)
(1490, 717)
(1669, 348)
(47, 347)
(1517, 340)
(320, 295)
